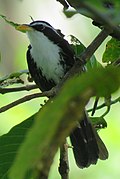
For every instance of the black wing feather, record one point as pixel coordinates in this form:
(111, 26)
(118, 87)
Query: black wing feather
(85, 146)
(36, 74)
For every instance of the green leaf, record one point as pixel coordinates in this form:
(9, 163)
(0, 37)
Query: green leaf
(90, 8)
(70, 13)
(9, 22)
(9, 144)
(79, 48)
(13, 24)
(98, 122)
(112, 52)
(13, 75)
(76, 45)
(39, 138)
(93, 63)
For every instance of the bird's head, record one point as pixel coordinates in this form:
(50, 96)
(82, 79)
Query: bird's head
(40, 29)
(34, 26)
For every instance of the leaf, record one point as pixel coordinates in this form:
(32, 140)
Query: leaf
(13, 24)
(112, 52)
(93, 63)
(79, 48)
(76, 45)
(41, 136)
(9, 144)
(98, 122)
(70, 13)
(9, 22)
(92, 8)
(13, 75)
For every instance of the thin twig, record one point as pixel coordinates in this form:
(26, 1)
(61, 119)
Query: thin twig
(64, 163)
(25, 99)
(95, 105)
(104, 104)
(64, 3)
(17, 89)
(89, 51)
(100, 17)
(96, 15)
(20, 101)
(106, 112)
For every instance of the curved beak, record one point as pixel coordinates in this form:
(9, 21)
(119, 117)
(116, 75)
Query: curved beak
(24, 28)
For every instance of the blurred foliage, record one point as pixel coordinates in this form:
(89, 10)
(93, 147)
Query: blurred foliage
(14, 138)
(10, 143)
(105, 14)
(79, 48)
(37, 137)
(112, 52)
(91, 8)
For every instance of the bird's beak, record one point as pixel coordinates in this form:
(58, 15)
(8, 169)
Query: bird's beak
(24, 28)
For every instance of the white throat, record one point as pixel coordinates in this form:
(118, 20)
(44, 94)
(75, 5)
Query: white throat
(46, 55)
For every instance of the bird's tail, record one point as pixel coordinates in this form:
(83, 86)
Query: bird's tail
(87, 145)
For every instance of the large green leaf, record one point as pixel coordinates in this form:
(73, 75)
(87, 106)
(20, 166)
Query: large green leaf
(9, 144)
(112, 52)
(41, 137)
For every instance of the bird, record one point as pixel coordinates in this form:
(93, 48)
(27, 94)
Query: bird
(49, 58)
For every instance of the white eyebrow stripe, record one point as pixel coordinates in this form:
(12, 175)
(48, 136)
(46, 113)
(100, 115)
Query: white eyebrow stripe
(46, 25)
(41, 23)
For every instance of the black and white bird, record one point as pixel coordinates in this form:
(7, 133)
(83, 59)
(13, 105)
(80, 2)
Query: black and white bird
(49, 57)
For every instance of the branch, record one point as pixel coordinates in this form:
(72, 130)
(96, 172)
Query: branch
(106, 112)
(64, 3)
(90, 50)
(26, 98)
(84, 57)
(96, 15)
(17, 89)
(104, 104)
(95, 106)
(64, 164)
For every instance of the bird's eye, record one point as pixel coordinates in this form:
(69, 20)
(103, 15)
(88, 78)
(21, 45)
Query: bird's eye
(41, 27)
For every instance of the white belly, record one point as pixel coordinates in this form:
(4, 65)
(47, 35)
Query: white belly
(46, 55)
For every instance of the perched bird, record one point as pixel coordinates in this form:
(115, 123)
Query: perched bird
(49, 57)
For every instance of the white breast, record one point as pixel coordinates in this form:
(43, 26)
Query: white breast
(46, 55)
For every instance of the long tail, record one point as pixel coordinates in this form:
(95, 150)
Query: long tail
(87, 145)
